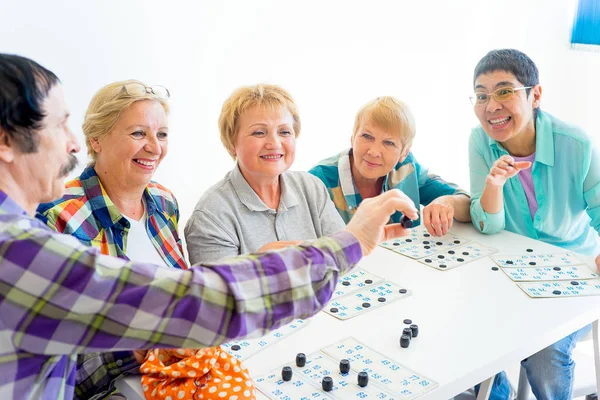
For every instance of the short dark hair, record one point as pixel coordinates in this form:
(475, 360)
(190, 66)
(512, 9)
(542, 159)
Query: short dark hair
(509, 60)
(24, 85)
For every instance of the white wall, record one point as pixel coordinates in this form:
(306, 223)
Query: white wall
(333, 56)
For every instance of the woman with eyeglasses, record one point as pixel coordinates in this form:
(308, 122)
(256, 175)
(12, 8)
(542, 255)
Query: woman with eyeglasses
(115, 206)
(556, 197)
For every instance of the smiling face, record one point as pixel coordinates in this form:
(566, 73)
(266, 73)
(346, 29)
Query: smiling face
(511, 120)
(266, 143)
(376, 151)
(136, 145)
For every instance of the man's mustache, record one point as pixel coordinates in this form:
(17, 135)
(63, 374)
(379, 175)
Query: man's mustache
(69, 166)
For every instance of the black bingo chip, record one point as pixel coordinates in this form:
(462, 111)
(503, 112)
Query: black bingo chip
(286, 374)
(460, 260)
(442, 265)
(530, 250)
(494, 268)
(366, 305)
(574, 283)
(427, 260)
(368, 281)
(556, 268)
(556, 292)
(381, 299)
(235, 347)
(402, 291)
(407, 321)
(532, 263)
(346, 283)
(363, 379)
(333, 310)
(327, 384)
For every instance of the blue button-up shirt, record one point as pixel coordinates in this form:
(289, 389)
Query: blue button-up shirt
(566, 179)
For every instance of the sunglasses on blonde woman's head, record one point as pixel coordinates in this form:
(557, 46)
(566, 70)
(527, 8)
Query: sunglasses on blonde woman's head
(500, 95)
(138, 89)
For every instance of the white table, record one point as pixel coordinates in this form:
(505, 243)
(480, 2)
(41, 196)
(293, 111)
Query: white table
(473, 321)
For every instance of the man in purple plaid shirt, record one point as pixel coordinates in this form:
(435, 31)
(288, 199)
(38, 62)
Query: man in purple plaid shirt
(59, 298)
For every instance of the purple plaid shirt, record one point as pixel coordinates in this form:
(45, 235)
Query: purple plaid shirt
(59, 298)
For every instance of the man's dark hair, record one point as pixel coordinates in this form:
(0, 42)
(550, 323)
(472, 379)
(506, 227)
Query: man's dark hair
(509, 60)
(24, 85)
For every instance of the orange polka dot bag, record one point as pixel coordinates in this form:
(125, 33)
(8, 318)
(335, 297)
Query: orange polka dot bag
(210, 373)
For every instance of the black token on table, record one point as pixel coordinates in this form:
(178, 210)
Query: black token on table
(530, 250)
(235, 347)
(346, 283)
(425, 242)
(286, 374)
(407, 321)
(460, 260)
(494, 268)
(427, 247)
(415, 330)
(457, 241)
(450, 251)
(426, 235)
(465, 253)
(532, 263)
(333, 309)
(574, 283)
(440, 256)
(344, 366)
(557, 292)
(402, 291)
(300, 360)
(509, 262)
(381, 299)
(427, 260)
(409, 240)
(396, 244)
(442, 265)
(439, 243)
(368, 281)
(363, 379)
(407, 332)
(366, 305)
(556, 268)
(404, 341)
(327, 384)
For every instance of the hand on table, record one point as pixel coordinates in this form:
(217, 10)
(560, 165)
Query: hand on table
(438, 216)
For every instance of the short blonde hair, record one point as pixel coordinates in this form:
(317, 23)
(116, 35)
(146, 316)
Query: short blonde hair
(390, 114)
(247, 97)
(106, 108)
